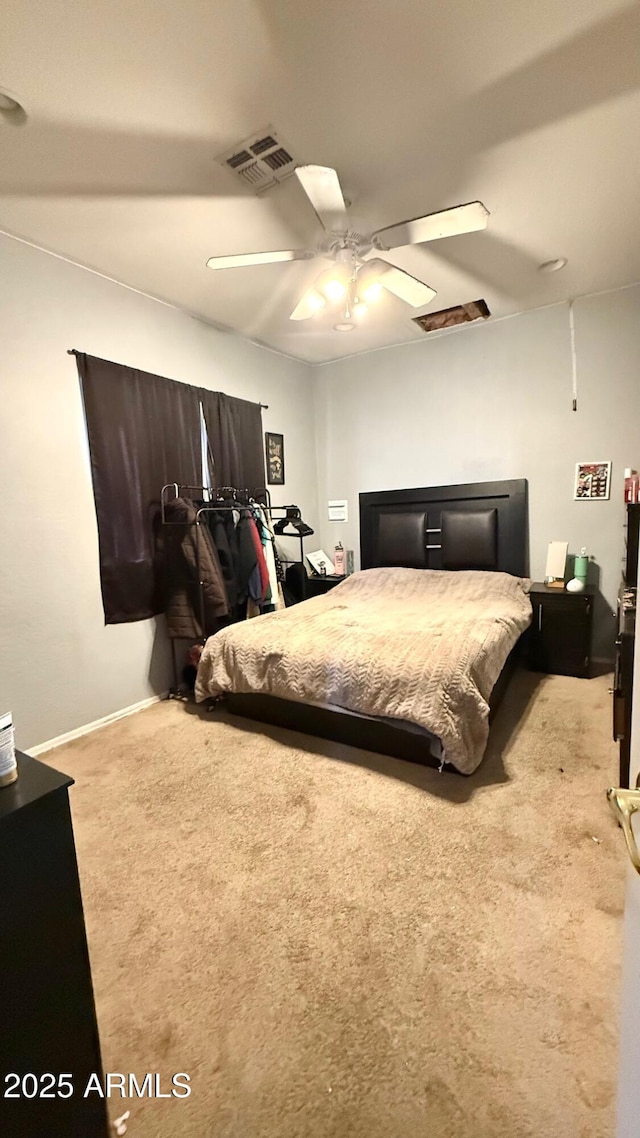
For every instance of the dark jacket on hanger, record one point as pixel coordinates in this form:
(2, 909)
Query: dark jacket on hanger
(259, 579)
(247, 557)
(226, 558)
(181, 543)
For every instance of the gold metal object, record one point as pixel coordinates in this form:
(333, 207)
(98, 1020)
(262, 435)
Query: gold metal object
(624, 804)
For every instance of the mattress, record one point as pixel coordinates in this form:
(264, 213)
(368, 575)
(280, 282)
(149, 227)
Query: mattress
(415, 645)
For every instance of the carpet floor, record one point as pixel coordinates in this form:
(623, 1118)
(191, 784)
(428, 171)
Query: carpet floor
(332, 943)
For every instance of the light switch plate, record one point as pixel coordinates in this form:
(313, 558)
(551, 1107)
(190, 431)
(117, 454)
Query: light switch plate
(339, 510)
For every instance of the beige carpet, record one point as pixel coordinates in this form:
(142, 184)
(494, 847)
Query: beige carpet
(359, 947)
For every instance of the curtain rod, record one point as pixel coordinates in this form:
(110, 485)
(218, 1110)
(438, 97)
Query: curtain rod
(75, 352)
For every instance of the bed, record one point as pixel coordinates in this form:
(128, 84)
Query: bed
(407, 656)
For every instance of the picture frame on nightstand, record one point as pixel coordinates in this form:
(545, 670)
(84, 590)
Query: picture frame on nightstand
(556, 564)
(321, 563)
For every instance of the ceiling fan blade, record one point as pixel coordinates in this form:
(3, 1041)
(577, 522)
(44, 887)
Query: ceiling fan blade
(321, 185)
(242, 260)
(408, 288)
(447, 223)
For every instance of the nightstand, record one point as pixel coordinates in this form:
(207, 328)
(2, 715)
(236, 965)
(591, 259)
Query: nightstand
(560, 633)
(302, 585)
(317, 585)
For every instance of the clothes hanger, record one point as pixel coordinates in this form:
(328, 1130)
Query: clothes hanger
(293, 518)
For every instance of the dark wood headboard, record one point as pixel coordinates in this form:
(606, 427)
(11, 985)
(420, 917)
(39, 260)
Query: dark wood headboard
(479, 525)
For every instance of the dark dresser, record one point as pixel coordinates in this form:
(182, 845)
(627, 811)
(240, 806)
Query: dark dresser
(625, 643)
(623, 679)
(49, 1034)
(560, 633)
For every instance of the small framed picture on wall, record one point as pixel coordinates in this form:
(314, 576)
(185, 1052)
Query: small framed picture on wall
(593, 481)
(274, 451)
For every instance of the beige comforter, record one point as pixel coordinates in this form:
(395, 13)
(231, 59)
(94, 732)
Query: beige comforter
(413, 644)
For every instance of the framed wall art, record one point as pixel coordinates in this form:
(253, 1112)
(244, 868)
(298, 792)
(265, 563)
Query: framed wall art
(274, 451)
(593, 481)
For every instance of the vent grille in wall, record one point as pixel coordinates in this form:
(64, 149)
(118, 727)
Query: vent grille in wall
(449, 317)
(260, 161)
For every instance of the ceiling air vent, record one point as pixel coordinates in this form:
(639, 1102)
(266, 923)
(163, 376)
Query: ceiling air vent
(263, 144)
(239, 159)
(449, 317)
(260, 161)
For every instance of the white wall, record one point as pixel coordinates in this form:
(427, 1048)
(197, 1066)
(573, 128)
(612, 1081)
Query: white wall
(60, 667)
(494, 401)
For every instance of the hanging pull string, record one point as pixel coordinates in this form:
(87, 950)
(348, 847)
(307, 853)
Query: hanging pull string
(574, 358)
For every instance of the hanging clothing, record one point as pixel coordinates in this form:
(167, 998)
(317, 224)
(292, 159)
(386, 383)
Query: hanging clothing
(268, 545)
(220, 535)
(247, 558)
(263, 573)
(276, 557)
(188, 558)
(229, 520)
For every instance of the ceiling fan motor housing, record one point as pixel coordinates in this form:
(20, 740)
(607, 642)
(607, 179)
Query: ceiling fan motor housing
(344, 247)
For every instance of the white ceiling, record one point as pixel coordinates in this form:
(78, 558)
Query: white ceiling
(533, 108)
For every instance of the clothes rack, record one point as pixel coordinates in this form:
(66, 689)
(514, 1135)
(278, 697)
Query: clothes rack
(218, 499)
(245, 495)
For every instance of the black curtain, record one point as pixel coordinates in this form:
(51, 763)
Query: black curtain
(144, 431)
(234, 428)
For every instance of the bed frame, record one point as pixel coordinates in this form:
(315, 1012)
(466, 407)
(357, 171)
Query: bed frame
(480, 525)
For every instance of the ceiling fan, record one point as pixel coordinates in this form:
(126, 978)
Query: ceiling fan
(358, 275)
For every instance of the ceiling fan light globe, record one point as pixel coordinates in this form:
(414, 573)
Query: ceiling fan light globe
(360, 310)
(334, 289)
(309, 305)
(315, 300)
